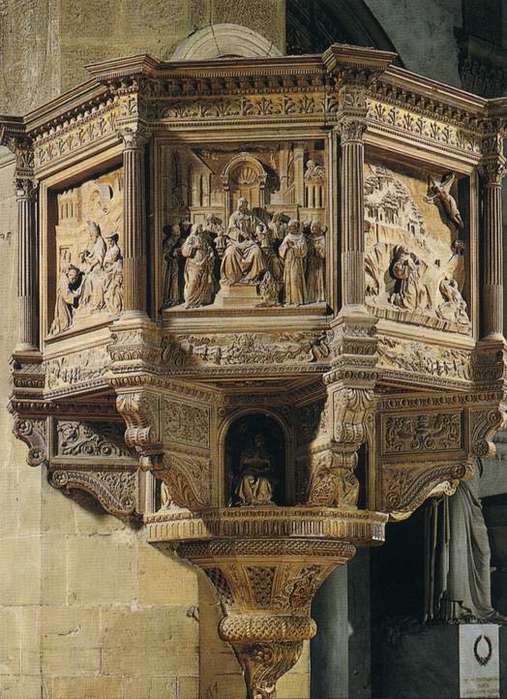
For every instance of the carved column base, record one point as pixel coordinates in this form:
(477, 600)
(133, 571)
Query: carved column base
(266, 587)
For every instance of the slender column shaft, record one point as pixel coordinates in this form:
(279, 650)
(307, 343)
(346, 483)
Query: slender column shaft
(492, 260)
(352, 221)
(26, 265)
(134, 223)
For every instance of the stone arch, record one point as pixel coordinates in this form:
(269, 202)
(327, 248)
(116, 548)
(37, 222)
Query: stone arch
(244, 175)
(221, 40)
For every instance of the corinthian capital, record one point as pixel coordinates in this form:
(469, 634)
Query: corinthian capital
(26, 188)
(352, 129)
(134, 137)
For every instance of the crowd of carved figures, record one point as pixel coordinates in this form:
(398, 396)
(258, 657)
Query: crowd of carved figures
(283, 257)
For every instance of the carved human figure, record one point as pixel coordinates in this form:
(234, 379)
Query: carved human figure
(314, 171)
(199, 280)
(293, 251)
(409, 291)
(92, 260)
(316, 264)
(171, 292)
(441, 191)
(243, 260)
(458, 567)
(67, 296)
(454, 307)
(255, 486)
(113, 271)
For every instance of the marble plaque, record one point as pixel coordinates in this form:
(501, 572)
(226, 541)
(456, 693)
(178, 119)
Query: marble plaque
(479, 670)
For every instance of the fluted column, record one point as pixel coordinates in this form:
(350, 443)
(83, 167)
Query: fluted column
(351, 128)
(26, 195)
(134, 222)
(493, 171)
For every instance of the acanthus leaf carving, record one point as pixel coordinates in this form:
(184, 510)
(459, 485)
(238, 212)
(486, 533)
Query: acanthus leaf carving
(140, 410)
(115, 490)
(187, 479)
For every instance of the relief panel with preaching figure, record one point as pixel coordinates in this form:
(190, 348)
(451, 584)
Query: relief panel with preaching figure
(89, 253)
(415, 248)
(244, 228)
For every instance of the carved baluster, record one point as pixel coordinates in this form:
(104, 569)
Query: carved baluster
(493, 171)
(134, 221)
(26, 196)
(352, 126)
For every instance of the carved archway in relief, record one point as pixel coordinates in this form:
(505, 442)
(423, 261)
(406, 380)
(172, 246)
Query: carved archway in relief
(244, 176)
(224, 40)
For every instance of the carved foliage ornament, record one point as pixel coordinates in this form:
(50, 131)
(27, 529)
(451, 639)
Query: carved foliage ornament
(114, 490)
(33, 432)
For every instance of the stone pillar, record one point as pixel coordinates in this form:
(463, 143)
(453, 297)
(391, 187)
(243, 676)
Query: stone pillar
(134, 222)
(26, 196)
(351, 128)
(493, 171)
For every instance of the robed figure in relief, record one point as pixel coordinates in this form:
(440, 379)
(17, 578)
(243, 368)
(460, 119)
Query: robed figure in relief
(200, 258)
(316, 265)
(293, 251)
(243, 260)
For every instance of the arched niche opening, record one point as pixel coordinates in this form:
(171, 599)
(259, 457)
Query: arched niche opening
(255, 462)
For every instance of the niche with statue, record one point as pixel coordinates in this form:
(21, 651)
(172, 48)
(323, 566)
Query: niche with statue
(255, 461)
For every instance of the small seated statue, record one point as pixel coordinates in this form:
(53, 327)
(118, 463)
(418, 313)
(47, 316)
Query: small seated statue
(255, 487)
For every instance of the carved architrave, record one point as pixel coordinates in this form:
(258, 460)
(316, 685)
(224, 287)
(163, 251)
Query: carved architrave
(115, 490)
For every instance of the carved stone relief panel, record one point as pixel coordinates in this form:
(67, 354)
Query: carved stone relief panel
(74, 438)
(83, 369)
(185, 423)
(243, 228)
(185, 353)
(415, 248)
(403, 434)
(89, 253)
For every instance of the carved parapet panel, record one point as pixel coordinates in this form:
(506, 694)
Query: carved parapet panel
(115, 490)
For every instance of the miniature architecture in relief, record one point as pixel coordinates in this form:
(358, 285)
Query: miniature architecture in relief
(259, 326)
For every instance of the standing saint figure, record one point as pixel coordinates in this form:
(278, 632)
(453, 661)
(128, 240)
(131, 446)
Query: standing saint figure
(458, 559)
(243, 259)
(113, 269)
(255, 487)
(293, 252)
(316, 265)
(409, 291)
(171, 295)
(200, 259)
